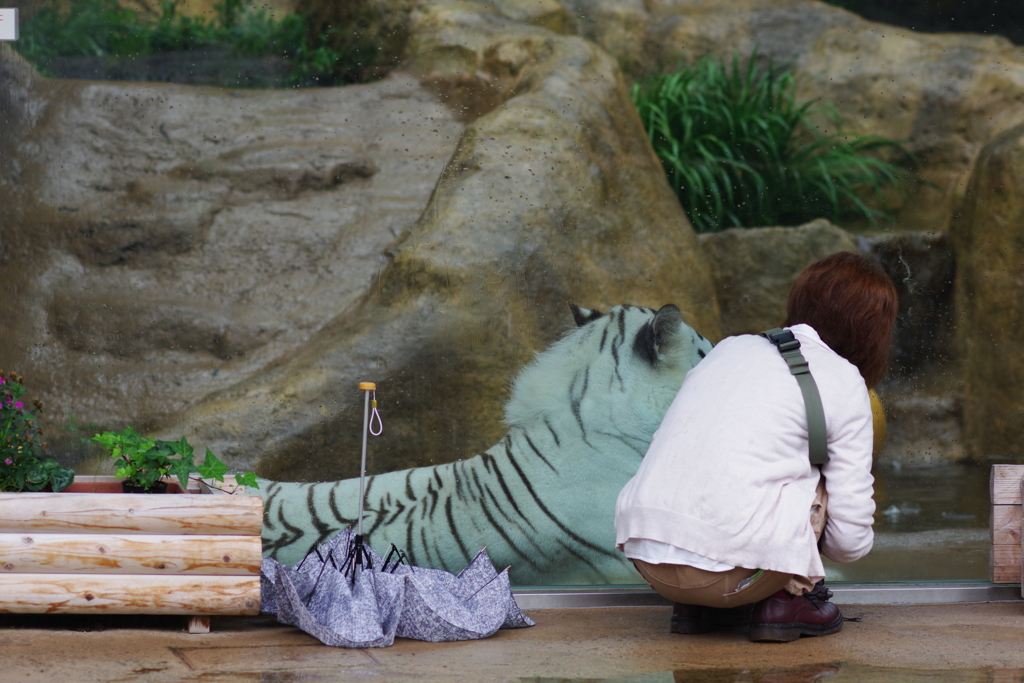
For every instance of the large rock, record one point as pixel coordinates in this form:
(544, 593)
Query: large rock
(989, 299)
(924, 418)
(945, 95)
(922, 266)
(171, 242)
(228, 264)
(16, 78)
(922, 392)
(754, 268)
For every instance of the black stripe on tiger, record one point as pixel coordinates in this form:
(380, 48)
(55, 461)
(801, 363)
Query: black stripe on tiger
(457, 476)
(426, 548)
(536, 450)
(576, 398)
(554, 434)
(332, 503)
(434, 495)
(616, 343)
(291, 536)
(569, 549)
(643, 343)
(492, 466)
(512, 520)
(453, 528)
(323, 530)
(622, 438)
(399, 510)
(408, 534)
(544, 508)
(268, 504)
(408, 486)
(369, 485)
(501, 532)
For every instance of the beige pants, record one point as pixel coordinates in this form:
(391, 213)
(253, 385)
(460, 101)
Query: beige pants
(682, 583)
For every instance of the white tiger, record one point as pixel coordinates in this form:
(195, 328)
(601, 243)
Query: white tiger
(542, 500)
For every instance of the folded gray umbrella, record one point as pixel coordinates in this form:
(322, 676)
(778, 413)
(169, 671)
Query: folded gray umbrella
(369, 606)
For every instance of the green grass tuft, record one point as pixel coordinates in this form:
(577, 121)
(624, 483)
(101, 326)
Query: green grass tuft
(740, 151)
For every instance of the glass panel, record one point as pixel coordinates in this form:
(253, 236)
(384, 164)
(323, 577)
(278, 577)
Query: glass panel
(216, 219)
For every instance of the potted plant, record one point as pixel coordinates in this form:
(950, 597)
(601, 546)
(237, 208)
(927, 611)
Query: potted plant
(144, 463)
(23, 462)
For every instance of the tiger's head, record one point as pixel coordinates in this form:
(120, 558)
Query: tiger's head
(614, 376)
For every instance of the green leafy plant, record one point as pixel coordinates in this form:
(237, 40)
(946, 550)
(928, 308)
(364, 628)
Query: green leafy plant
(106, 28)
(143, 461)
(23, 462)
(740, 150)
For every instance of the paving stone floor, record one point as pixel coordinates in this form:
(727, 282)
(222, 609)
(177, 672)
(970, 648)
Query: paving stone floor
(946, 643)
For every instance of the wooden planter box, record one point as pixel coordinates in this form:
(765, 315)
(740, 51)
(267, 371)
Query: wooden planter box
(94, 549)
(1005, 492)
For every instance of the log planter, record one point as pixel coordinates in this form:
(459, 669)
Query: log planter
(93, 549)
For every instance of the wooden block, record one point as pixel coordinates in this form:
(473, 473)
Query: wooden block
(125, 594)
(36, 553)
(131, 513)
(1006, 524)
(1006, 676)
(199, 625)
(1005, 483)
(1006, 564)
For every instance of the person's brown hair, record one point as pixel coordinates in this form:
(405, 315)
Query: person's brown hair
(851, 303)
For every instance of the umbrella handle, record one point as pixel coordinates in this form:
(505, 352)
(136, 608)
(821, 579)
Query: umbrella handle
(375, 417)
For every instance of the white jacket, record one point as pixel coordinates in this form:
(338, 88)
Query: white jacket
(727, 475)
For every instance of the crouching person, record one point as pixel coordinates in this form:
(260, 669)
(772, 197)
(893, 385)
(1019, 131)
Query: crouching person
(744, 487)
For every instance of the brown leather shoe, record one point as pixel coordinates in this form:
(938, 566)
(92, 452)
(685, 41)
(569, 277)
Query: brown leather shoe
(783, 617)
(692, 619)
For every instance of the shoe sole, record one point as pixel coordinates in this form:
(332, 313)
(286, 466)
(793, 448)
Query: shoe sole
(785, 633)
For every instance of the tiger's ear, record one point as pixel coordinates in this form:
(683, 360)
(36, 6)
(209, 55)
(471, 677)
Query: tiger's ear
(666, 327)
(657, 337)
(582, 316)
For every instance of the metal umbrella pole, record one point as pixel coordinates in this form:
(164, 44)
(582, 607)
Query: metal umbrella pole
(366, 388)
(357, 556)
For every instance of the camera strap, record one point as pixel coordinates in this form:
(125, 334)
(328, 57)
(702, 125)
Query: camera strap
(789, 347)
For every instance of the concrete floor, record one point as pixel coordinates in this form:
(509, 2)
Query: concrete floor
(954, 643)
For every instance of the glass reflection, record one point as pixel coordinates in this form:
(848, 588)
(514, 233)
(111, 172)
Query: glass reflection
(199, 238)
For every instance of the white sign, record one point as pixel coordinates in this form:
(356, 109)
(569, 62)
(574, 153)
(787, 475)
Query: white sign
(8, 23)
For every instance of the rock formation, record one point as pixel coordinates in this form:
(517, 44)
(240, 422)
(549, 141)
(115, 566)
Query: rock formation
(754, 268)
(989, 299)
(945, 95)
(229, 264)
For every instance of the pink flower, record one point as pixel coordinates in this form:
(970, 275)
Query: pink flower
(8, 461)
(18, 405)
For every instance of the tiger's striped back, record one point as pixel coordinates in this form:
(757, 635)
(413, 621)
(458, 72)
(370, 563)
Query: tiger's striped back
(581, 417)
